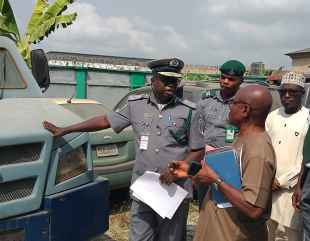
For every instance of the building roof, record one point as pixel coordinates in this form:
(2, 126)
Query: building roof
(105, 62)
(92, 58)
(303, 51)
(113, 62)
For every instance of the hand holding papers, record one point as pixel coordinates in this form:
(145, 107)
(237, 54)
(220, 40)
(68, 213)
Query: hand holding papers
(162, 198)
(179, 169)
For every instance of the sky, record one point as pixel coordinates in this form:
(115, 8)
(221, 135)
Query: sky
(201, 32)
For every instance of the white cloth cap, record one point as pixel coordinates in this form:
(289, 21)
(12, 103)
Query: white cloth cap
(293, 78)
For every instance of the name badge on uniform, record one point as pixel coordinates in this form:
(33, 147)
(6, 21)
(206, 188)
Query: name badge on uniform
(144, 142)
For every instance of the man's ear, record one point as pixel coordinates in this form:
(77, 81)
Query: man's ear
(246, 110)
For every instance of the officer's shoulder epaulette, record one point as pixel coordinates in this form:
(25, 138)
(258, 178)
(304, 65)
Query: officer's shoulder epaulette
(189, 104)
(137, 97)
(208, 94)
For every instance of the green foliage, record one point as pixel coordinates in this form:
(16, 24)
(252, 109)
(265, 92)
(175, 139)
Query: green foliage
(44, 20)
(24, 47)
(8, 26)
(195, 76)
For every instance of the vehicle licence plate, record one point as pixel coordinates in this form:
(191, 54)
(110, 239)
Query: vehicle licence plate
(15, 235)
(107, 150)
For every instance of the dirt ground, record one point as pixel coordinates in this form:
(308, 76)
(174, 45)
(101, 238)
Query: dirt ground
(119, 221)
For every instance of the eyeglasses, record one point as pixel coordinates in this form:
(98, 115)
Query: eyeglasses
(290, 92)
(243, 103)
(238, 102)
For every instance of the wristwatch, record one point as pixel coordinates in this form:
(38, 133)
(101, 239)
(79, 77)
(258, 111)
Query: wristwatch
(217, 183)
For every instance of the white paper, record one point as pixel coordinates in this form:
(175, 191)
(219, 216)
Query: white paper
(163, 199)
(224, 205)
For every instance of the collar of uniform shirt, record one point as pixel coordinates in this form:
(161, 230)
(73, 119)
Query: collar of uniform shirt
(220, 98)
(153, 100)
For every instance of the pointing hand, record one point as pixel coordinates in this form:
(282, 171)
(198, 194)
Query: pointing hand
(56, 131)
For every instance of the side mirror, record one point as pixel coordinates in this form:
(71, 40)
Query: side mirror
(40, 69)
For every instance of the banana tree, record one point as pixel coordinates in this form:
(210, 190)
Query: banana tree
(44, 20)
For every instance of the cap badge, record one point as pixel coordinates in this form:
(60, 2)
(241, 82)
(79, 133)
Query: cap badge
(174, 63)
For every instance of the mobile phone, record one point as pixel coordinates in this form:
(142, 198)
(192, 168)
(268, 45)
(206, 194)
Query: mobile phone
(194, 168)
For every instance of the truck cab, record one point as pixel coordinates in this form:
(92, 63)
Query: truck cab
(47, 188)
(16, 80)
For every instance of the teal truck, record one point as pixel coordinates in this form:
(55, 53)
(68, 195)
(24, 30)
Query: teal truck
(47, 188)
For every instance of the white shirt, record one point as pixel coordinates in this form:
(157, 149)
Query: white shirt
(287, 132)
(161, 106)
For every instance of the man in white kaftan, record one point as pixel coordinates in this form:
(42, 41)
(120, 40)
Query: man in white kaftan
(287, 127)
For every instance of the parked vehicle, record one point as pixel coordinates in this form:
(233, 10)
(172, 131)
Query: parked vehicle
(113, 154)
(47, 188)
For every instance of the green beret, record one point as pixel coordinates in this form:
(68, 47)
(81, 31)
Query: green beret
(167, 67)
(233, 68)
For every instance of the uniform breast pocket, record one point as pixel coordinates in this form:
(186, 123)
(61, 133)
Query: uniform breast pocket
(177, 132)
(210, 117)
(142, 121)
(141, 126)
(173, 123)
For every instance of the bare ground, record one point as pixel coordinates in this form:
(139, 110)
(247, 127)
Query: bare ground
(119, 222)
(119, 219)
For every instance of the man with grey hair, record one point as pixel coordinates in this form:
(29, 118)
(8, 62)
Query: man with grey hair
(287, 127)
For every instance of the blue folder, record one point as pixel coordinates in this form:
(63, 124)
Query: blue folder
(225, 162)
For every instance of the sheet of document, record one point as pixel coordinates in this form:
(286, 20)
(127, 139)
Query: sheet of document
(163, 199)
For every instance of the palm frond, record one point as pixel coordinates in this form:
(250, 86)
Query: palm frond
(8, 23)
(38, 11)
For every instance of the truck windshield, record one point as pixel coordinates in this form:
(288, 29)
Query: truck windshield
(10, 77)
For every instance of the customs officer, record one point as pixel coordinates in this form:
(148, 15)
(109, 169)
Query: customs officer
(212, 112)
(162, 124)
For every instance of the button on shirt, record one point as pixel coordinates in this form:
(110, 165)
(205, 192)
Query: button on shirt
(212, 120)
(143, 114)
